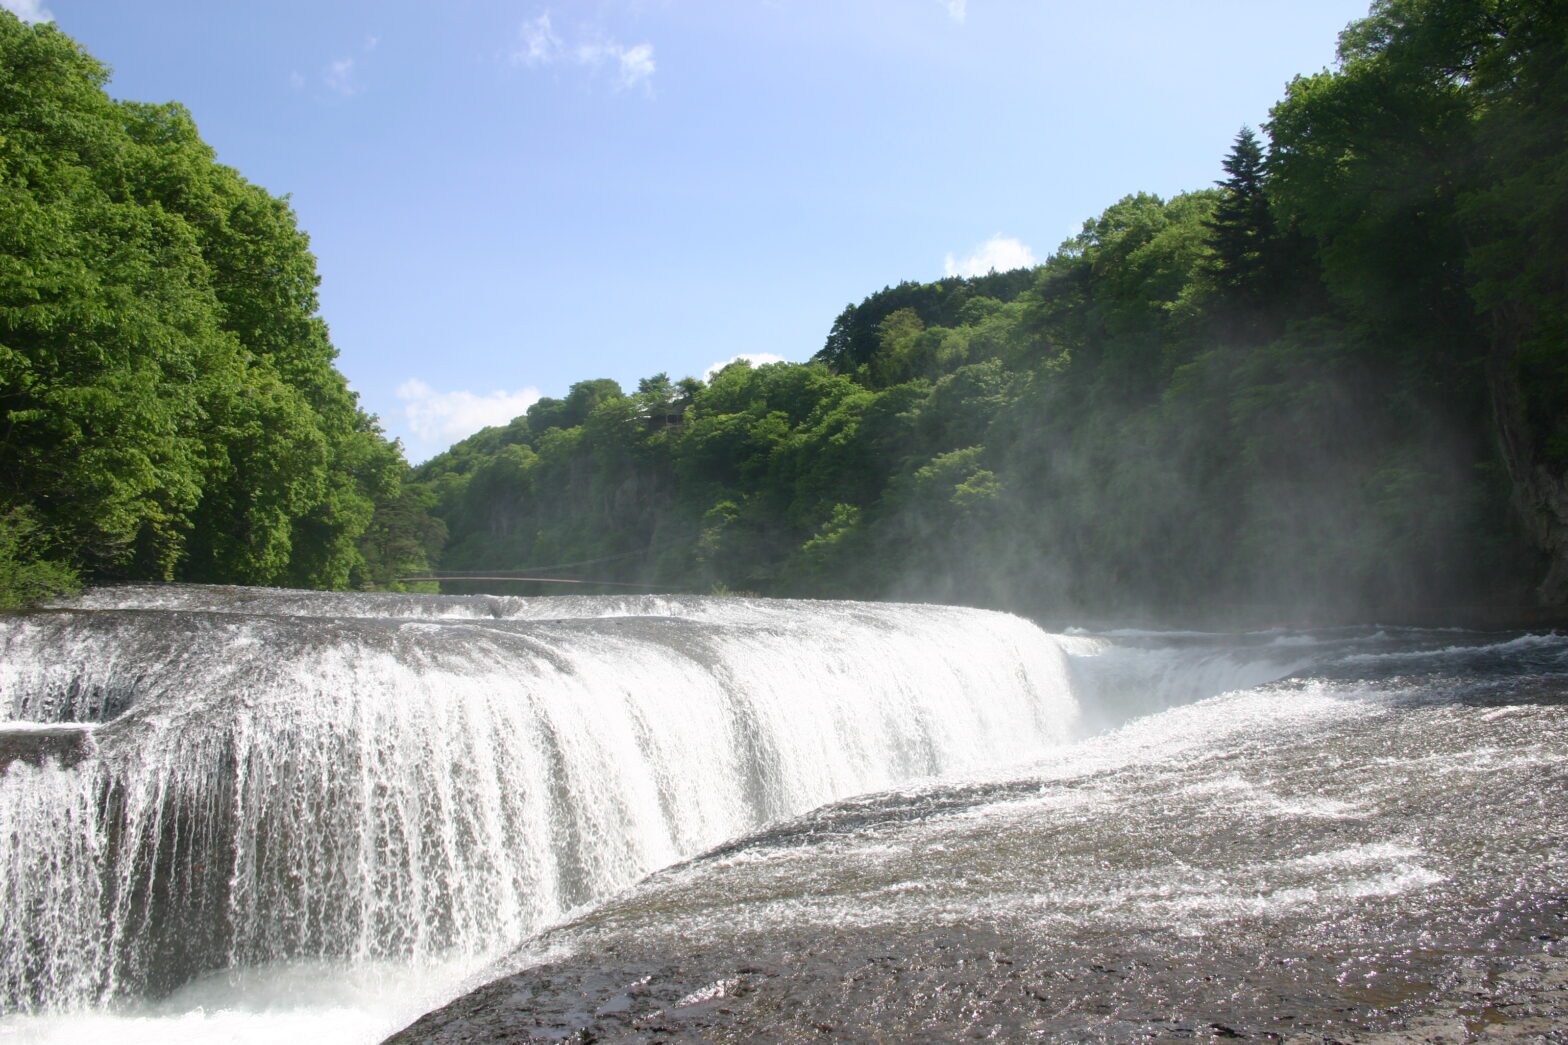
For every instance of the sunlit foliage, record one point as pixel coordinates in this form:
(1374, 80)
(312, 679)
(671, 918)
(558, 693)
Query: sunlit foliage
(168, 396)
(1332, 384)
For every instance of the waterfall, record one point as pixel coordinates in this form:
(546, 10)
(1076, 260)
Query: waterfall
(278, 776)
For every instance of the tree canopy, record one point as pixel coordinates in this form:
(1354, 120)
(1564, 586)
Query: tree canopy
(1333, 385)
(168, 394)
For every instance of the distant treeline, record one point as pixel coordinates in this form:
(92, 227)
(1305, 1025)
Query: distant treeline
(1337, 383)
(169, 406)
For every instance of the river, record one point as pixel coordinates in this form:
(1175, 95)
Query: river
(252, 816)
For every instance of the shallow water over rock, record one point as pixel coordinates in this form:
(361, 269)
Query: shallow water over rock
(241, 815)
(1374, 848)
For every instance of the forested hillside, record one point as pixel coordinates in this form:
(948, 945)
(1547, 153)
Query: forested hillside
(1336, 383)
(169, 405)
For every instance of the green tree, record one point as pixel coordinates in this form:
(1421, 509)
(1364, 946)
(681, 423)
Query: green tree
(169, 403)
(28, 574)
(1241, 232)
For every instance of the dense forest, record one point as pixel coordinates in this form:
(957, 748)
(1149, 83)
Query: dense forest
(1333, 384)
(169, 402)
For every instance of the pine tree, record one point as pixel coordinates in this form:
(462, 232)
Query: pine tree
(1241, 233)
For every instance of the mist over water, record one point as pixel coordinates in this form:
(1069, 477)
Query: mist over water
(232, 814)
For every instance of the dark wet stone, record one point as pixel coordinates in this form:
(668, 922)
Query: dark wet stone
(941, 988)
(1464, 803)
(65, 746)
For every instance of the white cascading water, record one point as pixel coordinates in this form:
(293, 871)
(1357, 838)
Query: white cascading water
(304, 778)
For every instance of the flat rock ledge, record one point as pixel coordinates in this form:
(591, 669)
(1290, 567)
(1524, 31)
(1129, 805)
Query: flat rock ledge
(976, 982)
(64, 745)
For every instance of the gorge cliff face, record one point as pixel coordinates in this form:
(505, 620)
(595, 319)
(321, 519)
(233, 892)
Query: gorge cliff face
(1540, 490)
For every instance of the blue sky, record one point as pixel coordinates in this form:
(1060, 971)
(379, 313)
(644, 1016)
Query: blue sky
(508, 197)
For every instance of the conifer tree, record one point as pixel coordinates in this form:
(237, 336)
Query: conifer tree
(1241, 232)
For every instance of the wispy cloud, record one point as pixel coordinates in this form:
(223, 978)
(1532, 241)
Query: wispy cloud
(754, 358)
(340, 77)
(445, 417)
(342, 74)
(539, 45)
(997, 254)
(634, 64)
(28, 10)
(958, 10)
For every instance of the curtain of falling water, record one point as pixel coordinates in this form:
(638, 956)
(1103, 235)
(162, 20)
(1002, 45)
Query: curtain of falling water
(280, 776)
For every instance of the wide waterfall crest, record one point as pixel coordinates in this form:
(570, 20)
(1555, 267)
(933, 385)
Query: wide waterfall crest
(410, 777)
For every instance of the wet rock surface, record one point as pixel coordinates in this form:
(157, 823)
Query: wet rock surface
(1311, 862)
(980, 983)
(64, 746)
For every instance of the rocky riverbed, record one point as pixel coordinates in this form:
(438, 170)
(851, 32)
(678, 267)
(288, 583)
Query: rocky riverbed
(1374, 852)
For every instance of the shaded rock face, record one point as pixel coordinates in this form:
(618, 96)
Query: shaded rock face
(1550, 492)
(65, 746)
(1342, 858)
(1540, 492)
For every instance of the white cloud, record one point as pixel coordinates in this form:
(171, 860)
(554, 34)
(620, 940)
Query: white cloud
(445, 417)
(297, 80)
(997, 254)
(636, 64)
(28, 10)
(958, 10)
(540, 45)
(340, 77)
(754, 358)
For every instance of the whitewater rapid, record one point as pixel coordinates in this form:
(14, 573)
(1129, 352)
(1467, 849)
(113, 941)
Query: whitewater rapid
(1369, 850)
(267, 778)
(230, 814)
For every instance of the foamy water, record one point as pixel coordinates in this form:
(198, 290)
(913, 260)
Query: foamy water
(292, 815)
